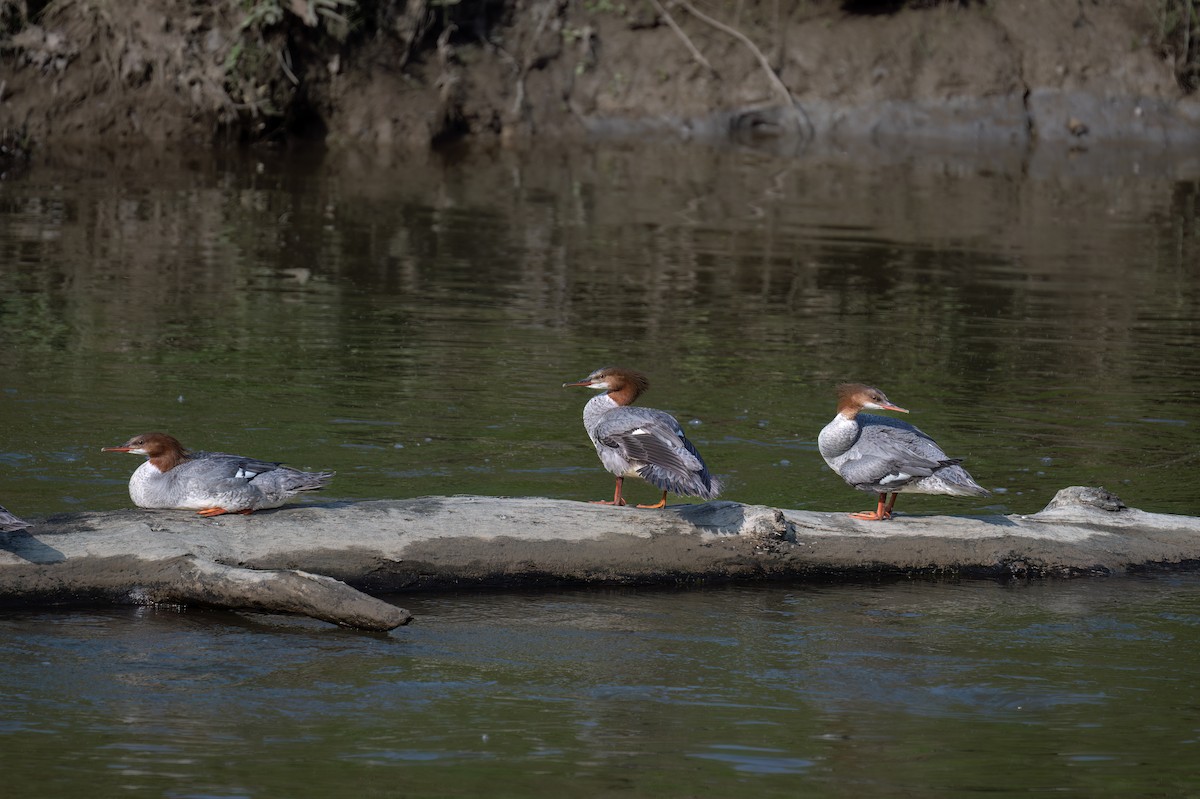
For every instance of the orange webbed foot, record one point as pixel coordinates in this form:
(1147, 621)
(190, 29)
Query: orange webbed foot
(871, 516)
(662, 503)
(882, 512)
(621, 503)
(211, 512)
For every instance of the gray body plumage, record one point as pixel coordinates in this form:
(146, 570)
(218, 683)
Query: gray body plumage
(217, 479)
(881, 455)
(647, 443)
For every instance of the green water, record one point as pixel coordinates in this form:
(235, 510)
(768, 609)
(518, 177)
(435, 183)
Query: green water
(1079, 689)
(409, 323)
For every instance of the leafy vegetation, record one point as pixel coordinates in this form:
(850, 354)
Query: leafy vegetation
(260, 75)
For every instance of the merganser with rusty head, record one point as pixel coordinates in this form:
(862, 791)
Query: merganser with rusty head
(886, 456)
(211, 483)
(10, 523)
(641, 442)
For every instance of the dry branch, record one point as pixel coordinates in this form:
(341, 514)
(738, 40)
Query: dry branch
(802, 121)
(35, 572)
(673, 25)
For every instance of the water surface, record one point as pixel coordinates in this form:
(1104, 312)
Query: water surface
(409, 323)
(1080, 689)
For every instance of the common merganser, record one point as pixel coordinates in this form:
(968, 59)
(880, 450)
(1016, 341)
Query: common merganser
(641, 442)
(209, 482)
(886, 456)
(10, 523)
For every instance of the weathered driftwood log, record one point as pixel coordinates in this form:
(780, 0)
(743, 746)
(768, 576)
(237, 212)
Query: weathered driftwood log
(98, 575)
(442, 542)
(277, 590)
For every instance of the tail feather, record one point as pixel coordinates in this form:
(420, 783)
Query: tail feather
(959, 483)
(10, 523)
(697, 484)
(307, 481)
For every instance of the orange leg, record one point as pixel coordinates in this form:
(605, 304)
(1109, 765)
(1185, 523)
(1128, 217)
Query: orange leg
(662, 503)
(617, 498)
(881, 513)
(220, 511)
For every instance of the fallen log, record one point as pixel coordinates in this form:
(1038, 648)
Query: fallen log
(318, 559)
(100, 575)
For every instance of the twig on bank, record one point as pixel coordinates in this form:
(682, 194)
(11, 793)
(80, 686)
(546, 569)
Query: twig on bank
(696, 54)
(801, 117)
(527, 59)
(283, 56)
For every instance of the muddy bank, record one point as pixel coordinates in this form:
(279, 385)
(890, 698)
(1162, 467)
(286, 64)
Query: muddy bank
(1059, 74)
(323, 561)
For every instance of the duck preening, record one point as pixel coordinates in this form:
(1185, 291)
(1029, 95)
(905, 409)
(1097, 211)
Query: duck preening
(641, 442)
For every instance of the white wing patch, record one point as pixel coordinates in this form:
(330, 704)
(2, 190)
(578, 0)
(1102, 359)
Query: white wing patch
(895, 478)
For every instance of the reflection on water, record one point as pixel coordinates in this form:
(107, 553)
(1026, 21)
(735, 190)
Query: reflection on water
(409, 324)
(933, 689)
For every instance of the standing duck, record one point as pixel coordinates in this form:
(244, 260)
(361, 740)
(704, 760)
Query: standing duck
(209, 482)
(10, 523)
(886, 456)
(641, 442)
